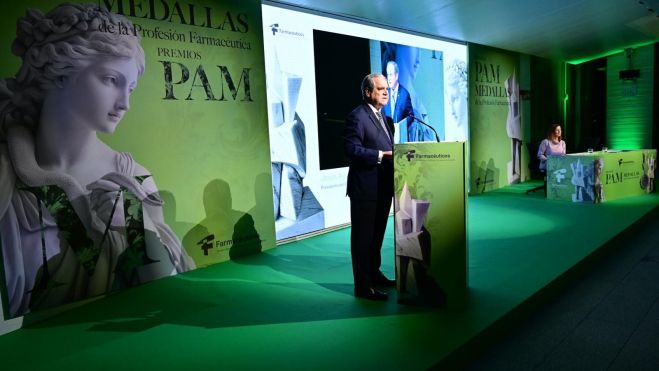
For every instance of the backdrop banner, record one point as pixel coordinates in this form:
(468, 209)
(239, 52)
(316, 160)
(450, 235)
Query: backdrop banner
(495, 132)
(133, 144)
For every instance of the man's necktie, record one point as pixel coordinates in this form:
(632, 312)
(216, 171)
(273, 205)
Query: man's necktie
(382, 124)
(394, 96)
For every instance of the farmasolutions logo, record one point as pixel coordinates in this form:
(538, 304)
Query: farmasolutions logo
(276, 29)
(414, 155)
(621, 162)
(410, 155)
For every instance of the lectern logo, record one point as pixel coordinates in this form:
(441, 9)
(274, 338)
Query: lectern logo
(410, 155)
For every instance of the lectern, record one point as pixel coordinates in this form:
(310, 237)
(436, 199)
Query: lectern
(430, 206)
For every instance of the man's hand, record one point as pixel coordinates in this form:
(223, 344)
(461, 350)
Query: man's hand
(387, 154)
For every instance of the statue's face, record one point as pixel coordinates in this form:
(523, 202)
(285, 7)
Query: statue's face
(457, 102)
(97, 97)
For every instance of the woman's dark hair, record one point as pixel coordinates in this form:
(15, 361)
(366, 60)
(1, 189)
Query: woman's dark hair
(552, 128)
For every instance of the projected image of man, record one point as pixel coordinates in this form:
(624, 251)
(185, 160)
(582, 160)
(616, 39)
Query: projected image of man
(418, 128)
(399, 107)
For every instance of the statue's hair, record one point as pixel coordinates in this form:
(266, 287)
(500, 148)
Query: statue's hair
(456, 72)
(55, 46)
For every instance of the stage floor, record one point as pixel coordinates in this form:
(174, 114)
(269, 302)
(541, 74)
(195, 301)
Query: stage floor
(292, 307)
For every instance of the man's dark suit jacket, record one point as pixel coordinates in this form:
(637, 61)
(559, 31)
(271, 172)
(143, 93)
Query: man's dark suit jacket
(371, 188)
(403, 105)
(364, 136)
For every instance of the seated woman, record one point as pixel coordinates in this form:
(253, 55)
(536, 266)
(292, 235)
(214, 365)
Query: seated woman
(553, 145)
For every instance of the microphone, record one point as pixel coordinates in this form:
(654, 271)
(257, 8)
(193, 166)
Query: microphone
(424, 124)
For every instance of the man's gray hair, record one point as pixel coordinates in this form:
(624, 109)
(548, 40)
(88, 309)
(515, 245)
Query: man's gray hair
(368, 84)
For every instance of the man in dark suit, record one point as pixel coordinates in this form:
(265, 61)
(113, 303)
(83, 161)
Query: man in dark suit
(400, 103)
(368, 145)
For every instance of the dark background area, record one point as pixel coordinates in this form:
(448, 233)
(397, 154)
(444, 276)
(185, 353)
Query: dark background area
(591, 105)
(341, 63)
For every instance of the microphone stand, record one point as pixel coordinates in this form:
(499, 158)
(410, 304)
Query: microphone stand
(426, 125)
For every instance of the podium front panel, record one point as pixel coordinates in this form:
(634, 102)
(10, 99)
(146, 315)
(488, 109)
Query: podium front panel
(430, 208)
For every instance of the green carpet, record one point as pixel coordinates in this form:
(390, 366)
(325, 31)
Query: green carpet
(292, 307)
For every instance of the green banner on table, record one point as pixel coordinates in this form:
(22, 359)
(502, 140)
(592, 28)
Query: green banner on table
(571, 178)
(430, 219)
(601, 176)
(626, 173)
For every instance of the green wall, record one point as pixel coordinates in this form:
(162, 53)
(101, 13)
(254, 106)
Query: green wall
(629, 103)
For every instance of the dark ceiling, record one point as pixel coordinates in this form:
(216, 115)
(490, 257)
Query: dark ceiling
(565, 30)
